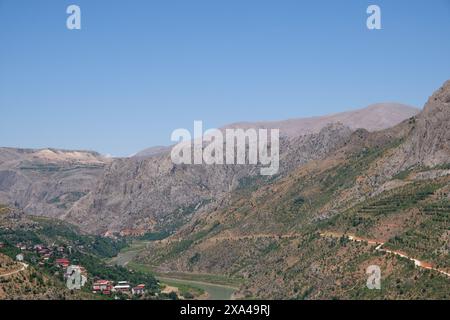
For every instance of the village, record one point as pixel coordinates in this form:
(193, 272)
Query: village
(56, 259)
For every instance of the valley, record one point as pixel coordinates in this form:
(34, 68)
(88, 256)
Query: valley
(214, 290)
(351, 192)
(388, 185)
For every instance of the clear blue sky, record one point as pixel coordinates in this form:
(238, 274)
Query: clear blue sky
(139, 69)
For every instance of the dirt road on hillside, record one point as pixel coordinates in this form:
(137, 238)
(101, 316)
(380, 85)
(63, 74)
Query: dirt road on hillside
(10, 273)
(379, 247)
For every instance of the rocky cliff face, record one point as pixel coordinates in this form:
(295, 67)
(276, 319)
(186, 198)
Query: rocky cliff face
(138, 195)
(47, 182)
(429, 142)
(423, 141)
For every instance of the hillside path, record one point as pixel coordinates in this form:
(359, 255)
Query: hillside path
(24, 266)
(379, 247)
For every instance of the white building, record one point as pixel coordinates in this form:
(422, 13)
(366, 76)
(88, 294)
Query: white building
(122, 286)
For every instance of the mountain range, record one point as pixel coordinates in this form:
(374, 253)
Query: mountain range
(355, 189)
(146, 192)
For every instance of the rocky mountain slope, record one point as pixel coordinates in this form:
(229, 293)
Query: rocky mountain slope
(47, 181)
(148, 192)
(289, 238)
(135, 196)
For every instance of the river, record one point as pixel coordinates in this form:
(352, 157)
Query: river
(214, 291)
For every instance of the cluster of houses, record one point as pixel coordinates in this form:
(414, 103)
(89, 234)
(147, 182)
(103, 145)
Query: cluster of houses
(106, 287)
(44, 252)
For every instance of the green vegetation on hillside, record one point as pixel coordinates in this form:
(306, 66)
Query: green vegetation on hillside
(63, 240)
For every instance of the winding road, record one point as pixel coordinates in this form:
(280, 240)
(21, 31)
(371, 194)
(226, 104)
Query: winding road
(24, 267)
(225, 292)
(379, 247)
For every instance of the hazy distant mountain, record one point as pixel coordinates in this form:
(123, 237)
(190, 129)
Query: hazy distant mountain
(372, 118)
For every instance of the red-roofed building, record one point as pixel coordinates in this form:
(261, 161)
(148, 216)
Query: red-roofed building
(138, 290)
(64, 263)
(103, 286)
